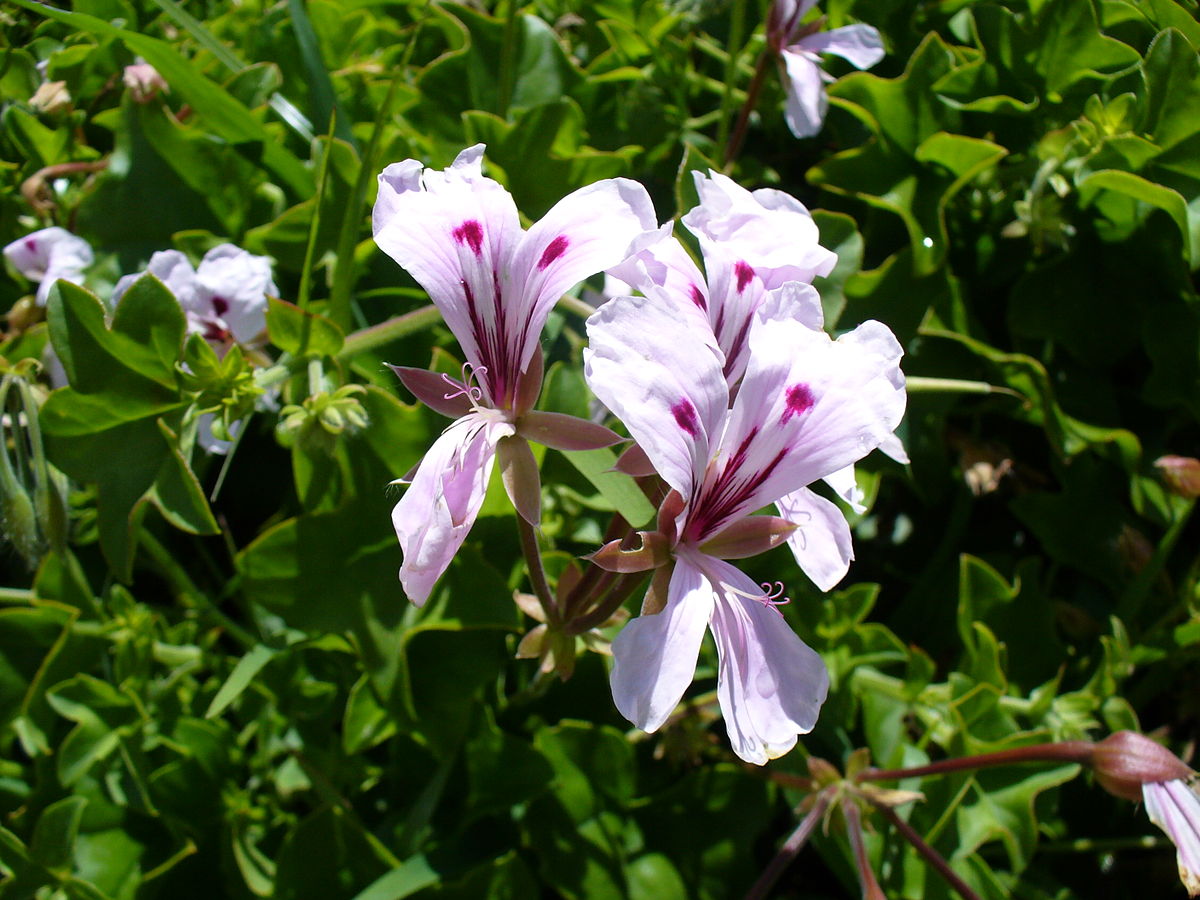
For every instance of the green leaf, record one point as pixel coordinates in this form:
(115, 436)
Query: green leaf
(54, 835)
(1003, 809)
(1171, 73)
(301, 333)
(1071, 47)
(239, 679)
(414, 874)
(97, 358)
(176, 491)
(618, 489)
(1144, 193)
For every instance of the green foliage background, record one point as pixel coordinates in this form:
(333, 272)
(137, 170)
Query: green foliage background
(231, 697)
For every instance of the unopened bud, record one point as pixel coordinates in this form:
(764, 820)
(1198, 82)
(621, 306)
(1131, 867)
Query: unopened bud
(1126, 760)
(1181, 473)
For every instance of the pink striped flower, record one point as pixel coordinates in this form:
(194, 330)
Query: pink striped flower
(807, 406)
(459, 235)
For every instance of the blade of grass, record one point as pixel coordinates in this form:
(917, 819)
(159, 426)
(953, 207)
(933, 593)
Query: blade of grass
(344, 269)
(283, 107)
(325, 105)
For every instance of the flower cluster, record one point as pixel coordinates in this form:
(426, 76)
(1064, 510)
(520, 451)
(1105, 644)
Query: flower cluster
(224, 298)
(733, 393)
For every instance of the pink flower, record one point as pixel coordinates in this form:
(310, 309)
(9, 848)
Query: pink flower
(459, 235)
(807, 406)
(752, 244)
(144, 81)
(757, 246)
(48, 255)
(224, 298)
(799, 48)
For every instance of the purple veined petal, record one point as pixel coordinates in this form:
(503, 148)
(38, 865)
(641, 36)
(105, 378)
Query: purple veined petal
(439, 506)
(49, 255)
(660, 374)
(769, 229)
(822, 544)
(232, 285)
(807, 407)
(806, 101)
(735, 294)
(654, 656)
(588, 231)
(860, 45)
(455, 232)
(1174, 807)
(769, 682)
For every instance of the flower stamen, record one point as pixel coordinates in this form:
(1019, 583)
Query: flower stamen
(473, 392)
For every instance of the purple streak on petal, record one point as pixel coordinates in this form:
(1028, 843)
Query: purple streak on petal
(220, 305)
(745, 273)
(698, 297)
(470, 232)
(685, 416)
(553, 251)
(31, 245)
(799, 401)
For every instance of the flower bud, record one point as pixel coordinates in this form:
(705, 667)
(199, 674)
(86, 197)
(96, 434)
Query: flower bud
(1125, 761)
(1181, 473)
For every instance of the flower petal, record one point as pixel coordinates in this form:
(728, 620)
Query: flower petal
(661, 376)
(805, 88)
(770, 683)
(1175, 808)
(822, 544)
(657, 259)
(770, 230)
(439, 507)
(47, 255)
(232, 285)
(860, 45)
(586, 232)
(654, 656)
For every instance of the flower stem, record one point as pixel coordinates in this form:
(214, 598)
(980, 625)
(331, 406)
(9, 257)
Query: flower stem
(734, 146)
(866, 875)
(791, 847)
(537, 573)
(391, 330)
(603, 611)
(737, 20)
(932, 857)
(1064, 751)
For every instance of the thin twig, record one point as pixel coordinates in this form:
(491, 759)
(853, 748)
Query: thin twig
(1064, 751)
(537, 573)
(932, 857)
(790, 849)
